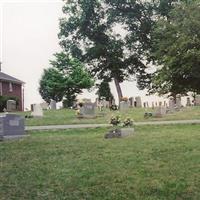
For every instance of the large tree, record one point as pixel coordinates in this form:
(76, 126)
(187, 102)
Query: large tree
(176, 49)
(64, 80)
(110, 36)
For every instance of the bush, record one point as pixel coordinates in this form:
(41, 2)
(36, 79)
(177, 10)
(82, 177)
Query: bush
(4, 99)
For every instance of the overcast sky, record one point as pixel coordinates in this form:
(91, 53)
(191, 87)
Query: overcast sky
(29, 31)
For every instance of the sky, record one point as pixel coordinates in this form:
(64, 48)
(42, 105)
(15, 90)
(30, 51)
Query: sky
(28, 41)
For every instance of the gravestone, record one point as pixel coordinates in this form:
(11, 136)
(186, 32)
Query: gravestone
(138, 102)
(11, 126)
(105, 103)
(123, 105)
(197, 100)
(131, 100)
(87, 110)
(11, 105)
(37, 111)
(53, 105)
(171, 104)
(178, 101)
(44, 105)
(160, 111)
(188, 103)
(32, 106)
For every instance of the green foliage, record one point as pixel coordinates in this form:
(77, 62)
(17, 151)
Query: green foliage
(4, 99)
(176, 49)
(65, 79)
(156, 163)
(104, 91)
(52, 85)
(91, 32)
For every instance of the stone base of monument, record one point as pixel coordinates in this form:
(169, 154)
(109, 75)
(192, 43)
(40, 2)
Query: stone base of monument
(119, 133)
(12, 137)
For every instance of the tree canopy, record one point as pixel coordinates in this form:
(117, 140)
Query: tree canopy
(65, 79)
(176, 49)
(111, 37)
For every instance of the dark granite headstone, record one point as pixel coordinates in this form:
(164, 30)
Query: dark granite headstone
(11, 126)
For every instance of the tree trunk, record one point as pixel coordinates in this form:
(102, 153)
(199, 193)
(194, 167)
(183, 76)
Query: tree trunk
(119, 91)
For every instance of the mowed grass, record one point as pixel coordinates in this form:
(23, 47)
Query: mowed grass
(157, 162)
(67, 116)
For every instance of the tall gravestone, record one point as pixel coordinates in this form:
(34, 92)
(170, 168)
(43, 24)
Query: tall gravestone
(138, 102)
(188, 102)
(160, 111)
(197, 100)
(53, 105)
(131, 100)
(11, 105)
(178, 101)
(171, 104)
(37, 111)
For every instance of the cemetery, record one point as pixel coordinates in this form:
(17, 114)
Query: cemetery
(84, 141)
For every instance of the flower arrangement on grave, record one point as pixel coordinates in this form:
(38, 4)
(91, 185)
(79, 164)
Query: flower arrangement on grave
(124, 99)
(128, 122)
(118, 131)
(115, 120)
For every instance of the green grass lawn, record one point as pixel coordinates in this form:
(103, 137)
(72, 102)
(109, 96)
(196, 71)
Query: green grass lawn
(157, 162)
(67, 116)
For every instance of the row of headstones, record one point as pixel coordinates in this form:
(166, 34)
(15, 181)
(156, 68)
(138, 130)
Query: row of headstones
(37, 109)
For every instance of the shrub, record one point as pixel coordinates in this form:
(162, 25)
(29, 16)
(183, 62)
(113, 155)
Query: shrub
(4, 99)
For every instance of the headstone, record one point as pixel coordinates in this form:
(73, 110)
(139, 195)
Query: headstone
(88, 109)
(188, 103)
(123, 106)
(119, 133)
(138, 102)
(53, 105)
(131, 100)
(44, 105)
(105, 103)
(11, 126)
(37, 111)
(160, 111)
(171, 104)
(32, 106)
(178, 101)
(197, 100)
(11, 105)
